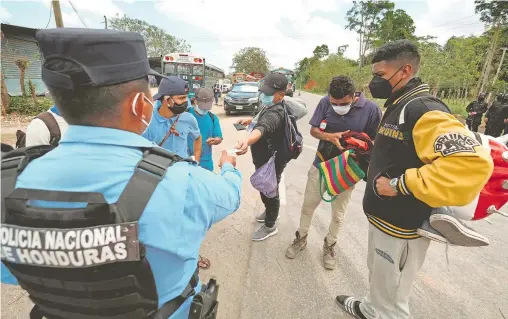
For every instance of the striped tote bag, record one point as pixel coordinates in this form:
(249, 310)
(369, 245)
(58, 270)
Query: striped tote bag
(339, 174)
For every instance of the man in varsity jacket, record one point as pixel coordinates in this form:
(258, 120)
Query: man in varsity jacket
(423, 157)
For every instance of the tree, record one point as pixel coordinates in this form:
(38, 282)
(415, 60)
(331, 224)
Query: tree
(251, 59)
(493, 13)
(364, 18)
(158, 42)
(22, 64)
(321, 51)
(395, 25)
(342, 49)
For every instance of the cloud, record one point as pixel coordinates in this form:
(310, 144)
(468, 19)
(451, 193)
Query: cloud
(444, 19)
(286, 29)
(4, 14)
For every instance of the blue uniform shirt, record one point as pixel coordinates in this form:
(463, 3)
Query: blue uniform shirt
(187, 127)
(208, 128)
(186, 203)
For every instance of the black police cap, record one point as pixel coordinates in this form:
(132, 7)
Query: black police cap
(105, 57)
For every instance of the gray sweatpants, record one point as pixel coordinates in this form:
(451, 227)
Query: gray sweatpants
(393, 264)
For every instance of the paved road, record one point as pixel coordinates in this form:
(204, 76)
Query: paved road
(258, 282)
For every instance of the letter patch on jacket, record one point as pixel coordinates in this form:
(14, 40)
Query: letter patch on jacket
(70, 248)
(453, 143)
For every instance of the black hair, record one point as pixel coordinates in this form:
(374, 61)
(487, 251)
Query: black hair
(401, 50)
(341, 86)
(89, 105)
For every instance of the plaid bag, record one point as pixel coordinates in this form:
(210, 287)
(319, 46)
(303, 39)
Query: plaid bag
(339, 174)
(264, 179)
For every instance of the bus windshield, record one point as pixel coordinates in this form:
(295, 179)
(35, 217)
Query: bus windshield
(197, 70)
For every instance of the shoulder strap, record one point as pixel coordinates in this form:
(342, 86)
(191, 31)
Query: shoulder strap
(52, 125)
(147, 175)
(13, 163)
(212, 117)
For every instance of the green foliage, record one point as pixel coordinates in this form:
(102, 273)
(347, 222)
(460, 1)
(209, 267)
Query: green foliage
(321, 51)
(492, 11)
(26, 106)
(158, 42)
(251, 59)
(395, 25)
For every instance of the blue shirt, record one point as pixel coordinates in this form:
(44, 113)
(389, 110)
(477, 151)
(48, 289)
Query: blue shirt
(187, 127)
(186, 203)
(364, 116)
(208, 128)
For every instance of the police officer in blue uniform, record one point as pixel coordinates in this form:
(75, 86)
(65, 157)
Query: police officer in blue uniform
(107, 224)
(171, 125)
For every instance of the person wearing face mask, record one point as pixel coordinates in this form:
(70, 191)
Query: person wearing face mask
(172, 126)
(339, 112)
(423, 157)
(266, 135)
(128, 216)
(209, 126)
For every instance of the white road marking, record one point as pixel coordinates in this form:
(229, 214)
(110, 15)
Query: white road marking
(282, 191)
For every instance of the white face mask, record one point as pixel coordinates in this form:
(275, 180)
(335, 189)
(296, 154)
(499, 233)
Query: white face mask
(341, 110)
(200, 111)
(142, 117)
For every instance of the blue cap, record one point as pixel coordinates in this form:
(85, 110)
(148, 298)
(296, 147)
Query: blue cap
(171, 86)
(96, 52)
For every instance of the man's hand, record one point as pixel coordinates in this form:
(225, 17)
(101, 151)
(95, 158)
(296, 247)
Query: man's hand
(474, 113)
(383, 187)
(245, 121)
(505, 121)
(242, 146)
(225, 158)
(485, 120)
(213, 141)
(335, 139)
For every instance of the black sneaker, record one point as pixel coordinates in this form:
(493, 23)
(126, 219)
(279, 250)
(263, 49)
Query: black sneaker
(351, 305)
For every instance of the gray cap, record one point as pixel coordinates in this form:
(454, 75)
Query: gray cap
(204, 97)
(171, 86)
(274, 82)
(96, 51)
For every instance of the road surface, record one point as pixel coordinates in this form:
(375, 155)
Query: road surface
(259, 282)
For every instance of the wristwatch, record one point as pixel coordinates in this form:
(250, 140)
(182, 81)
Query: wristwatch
(393, 184)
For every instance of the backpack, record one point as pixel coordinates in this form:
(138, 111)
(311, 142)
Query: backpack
(51, 124)
(292, 145)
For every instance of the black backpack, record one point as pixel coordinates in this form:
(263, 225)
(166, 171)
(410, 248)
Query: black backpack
(292, 145)
(51, 124)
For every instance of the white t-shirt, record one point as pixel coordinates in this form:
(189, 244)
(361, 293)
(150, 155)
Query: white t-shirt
(37, 133)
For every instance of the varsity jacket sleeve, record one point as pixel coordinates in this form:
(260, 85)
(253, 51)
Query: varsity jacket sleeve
(456, 165)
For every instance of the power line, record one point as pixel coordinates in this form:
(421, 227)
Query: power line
(77, 14)
(453, 21)
(50, 14)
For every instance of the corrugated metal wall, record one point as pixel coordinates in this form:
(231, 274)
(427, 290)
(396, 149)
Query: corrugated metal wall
(15, 48)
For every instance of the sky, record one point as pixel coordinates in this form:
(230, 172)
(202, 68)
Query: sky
(288, 30)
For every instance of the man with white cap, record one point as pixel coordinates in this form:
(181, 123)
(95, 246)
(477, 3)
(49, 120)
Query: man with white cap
(208, 124)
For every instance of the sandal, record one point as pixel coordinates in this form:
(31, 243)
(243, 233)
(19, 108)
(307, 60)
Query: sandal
(203, 263)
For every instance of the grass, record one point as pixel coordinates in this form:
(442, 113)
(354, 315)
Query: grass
(26, 106)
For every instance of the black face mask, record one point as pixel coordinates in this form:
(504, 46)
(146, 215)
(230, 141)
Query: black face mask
(380, 88)
(178, 108)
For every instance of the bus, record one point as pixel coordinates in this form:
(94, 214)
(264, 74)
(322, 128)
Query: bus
(191, 68)
(290, 74)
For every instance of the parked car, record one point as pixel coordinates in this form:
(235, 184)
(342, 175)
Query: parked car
(243, 98)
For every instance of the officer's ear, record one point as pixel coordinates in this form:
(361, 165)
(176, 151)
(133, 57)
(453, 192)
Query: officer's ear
(140, 104)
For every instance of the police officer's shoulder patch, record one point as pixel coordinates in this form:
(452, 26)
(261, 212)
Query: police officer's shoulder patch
(454, 142)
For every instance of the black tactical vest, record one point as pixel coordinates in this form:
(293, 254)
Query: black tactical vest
(84, 262)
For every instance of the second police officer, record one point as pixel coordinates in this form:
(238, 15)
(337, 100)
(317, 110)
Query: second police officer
(495, 116)
(107, 224)
(475, 111)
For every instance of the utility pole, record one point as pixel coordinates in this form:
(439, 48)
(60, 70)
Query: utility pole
(105, 22)
(500, 65)
(490, 57)
(58, 14)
